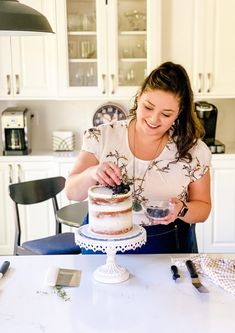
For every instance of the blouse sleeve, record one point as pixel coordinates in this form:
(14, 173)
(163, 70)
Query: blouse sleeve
(201, 160)
(92, 141)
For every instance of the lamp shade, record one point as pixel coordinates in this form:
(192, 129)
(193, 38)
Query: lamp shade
(19, 19)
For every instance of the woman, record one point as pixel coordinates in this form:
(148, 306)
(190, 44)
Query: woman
(160, 152)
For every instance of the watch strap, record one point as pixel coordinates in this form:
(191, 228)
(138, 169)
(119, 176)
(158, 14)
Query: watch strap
(183, 210)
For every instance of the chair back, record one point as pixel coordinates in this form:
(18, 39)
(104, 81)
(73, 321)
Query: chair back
(36, 191)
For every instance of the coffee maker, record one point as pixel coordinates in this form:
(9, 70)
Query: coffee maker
(16, 131)
(207, 113)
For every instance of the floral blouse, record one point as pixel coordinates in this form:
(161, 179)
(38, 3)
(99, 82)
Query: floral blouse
(161, 178)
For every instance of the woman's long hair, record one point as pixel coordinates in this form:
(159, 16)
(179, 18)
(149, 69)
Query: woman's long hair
(187, 128)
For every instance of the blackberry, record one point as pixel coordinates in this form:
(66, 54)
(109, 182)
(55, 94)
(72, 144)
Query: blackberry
(157, 213)
(120, 189)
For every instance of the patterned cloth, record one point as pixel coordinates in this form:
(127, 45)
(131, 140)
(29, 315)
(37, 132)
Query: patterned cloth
(221, 271)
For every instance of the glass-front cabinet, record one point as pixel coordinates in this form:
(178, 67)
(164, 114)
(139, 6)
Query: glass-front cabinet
(106, 45)
(82, 43)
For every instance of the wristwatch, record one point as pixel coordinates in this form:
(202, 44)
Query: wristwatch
(183, 210)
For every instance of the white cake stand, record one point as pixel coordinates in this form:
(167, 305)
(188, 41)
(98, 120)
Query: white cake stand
(111, 272)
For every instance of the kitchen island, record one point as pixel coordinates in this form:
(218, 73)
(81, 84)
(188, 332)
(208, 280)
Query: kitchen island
(150, 301)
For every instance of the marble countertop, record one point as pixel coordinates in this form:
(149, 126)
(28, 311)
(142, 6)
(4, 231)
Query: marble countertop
(150, 301)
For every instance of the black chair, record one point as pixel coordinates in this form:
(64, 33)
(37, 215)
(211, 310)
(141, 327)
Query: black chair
(36, 191)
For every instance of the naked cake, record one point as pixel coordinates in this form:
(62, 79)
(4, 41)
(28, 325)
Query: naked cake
(109, 213)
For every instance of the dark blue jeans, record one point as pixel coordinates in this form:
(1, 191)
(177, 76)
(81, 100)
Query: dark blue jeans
(177, 237)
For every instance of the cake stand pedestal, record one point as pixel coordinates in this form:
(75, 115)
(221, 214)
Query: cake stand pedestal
(111, 272)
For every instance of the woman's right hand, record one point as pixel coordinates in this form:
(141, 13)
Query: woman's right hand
(107, 173)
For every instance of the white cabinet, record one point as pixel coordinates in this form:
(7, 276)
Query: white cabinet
(28, 65)
(106, 47)
(6, 211)
(40, 216)
(219, 230)
(64, 171)
(198, 35)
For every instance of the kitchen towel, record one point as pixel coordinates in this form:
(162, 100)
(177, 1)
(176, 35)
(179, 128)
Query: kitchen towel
(221, 271)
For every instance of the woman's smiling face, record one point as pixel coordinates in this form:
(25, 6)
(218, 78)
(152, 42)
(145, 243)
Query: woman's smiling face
(156, 112)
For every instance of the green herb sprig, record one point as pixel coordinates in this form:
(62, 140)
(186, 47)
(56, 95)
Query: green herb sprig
(59, 291)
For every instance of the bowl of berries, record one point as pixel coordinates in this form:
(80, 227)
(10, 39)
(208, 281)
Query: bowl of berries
(157, 210)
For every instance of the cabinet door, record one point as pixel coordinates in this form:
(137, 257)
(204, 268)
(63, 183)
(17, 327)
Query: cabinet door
(77, 47)
(219, 71)
(197, 34)
(178, 26)
(107, 46)
(5, 67)
(64, 171)
(133, 43)
(219, 229)
(6, 210)
(38, 220)
(28, 64)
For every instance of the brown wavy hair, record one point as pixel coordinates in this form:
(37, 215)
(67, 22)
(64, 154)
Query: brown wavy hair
(187, 128)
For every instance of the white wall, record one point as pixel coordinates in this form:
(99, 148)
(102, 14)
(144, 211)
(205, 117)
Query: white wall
(50, 116)
(77, 116)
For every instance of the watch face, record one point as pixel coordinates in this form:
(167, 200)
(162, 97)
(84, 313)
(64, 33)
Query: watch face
(183, 211)
(107, 113)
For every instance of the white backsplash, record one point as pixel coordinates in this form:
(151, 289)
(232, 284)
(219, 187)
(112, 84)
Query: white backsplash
(76, 116)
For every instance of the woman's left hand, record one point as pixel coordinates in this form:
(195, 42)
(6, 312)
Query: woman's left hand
(173, 215)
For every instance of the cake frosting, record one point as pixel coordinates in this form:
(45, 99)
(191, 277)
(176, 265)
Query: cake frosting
(109, 214)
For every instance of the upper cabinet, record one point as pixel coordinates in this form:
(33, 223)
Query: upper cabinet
(199, 35)
(28, 65)
(107, 48)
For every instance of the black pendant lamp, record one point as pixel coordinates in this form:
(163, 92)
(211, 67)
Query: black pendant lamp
(19, 19)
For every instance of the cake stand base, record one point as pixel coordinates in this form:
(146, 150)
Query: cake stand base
(111, 272)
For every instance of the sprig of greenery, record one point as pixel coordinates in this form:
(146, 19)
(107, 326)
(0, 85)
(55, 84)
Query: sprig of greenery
(59, 291)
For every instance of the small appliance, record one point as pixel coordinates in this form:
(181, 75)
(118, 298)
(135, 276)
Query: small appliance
(16, 131)
(207, 114)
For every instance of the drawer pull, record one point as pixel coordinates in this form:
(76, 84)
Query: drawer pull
(17, 84)
(103, 78)
(200, 82)
(10, 173)
(8, 84)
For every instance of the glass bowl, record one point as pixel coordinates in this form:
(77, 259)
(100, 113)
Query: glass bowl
(157, 210)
